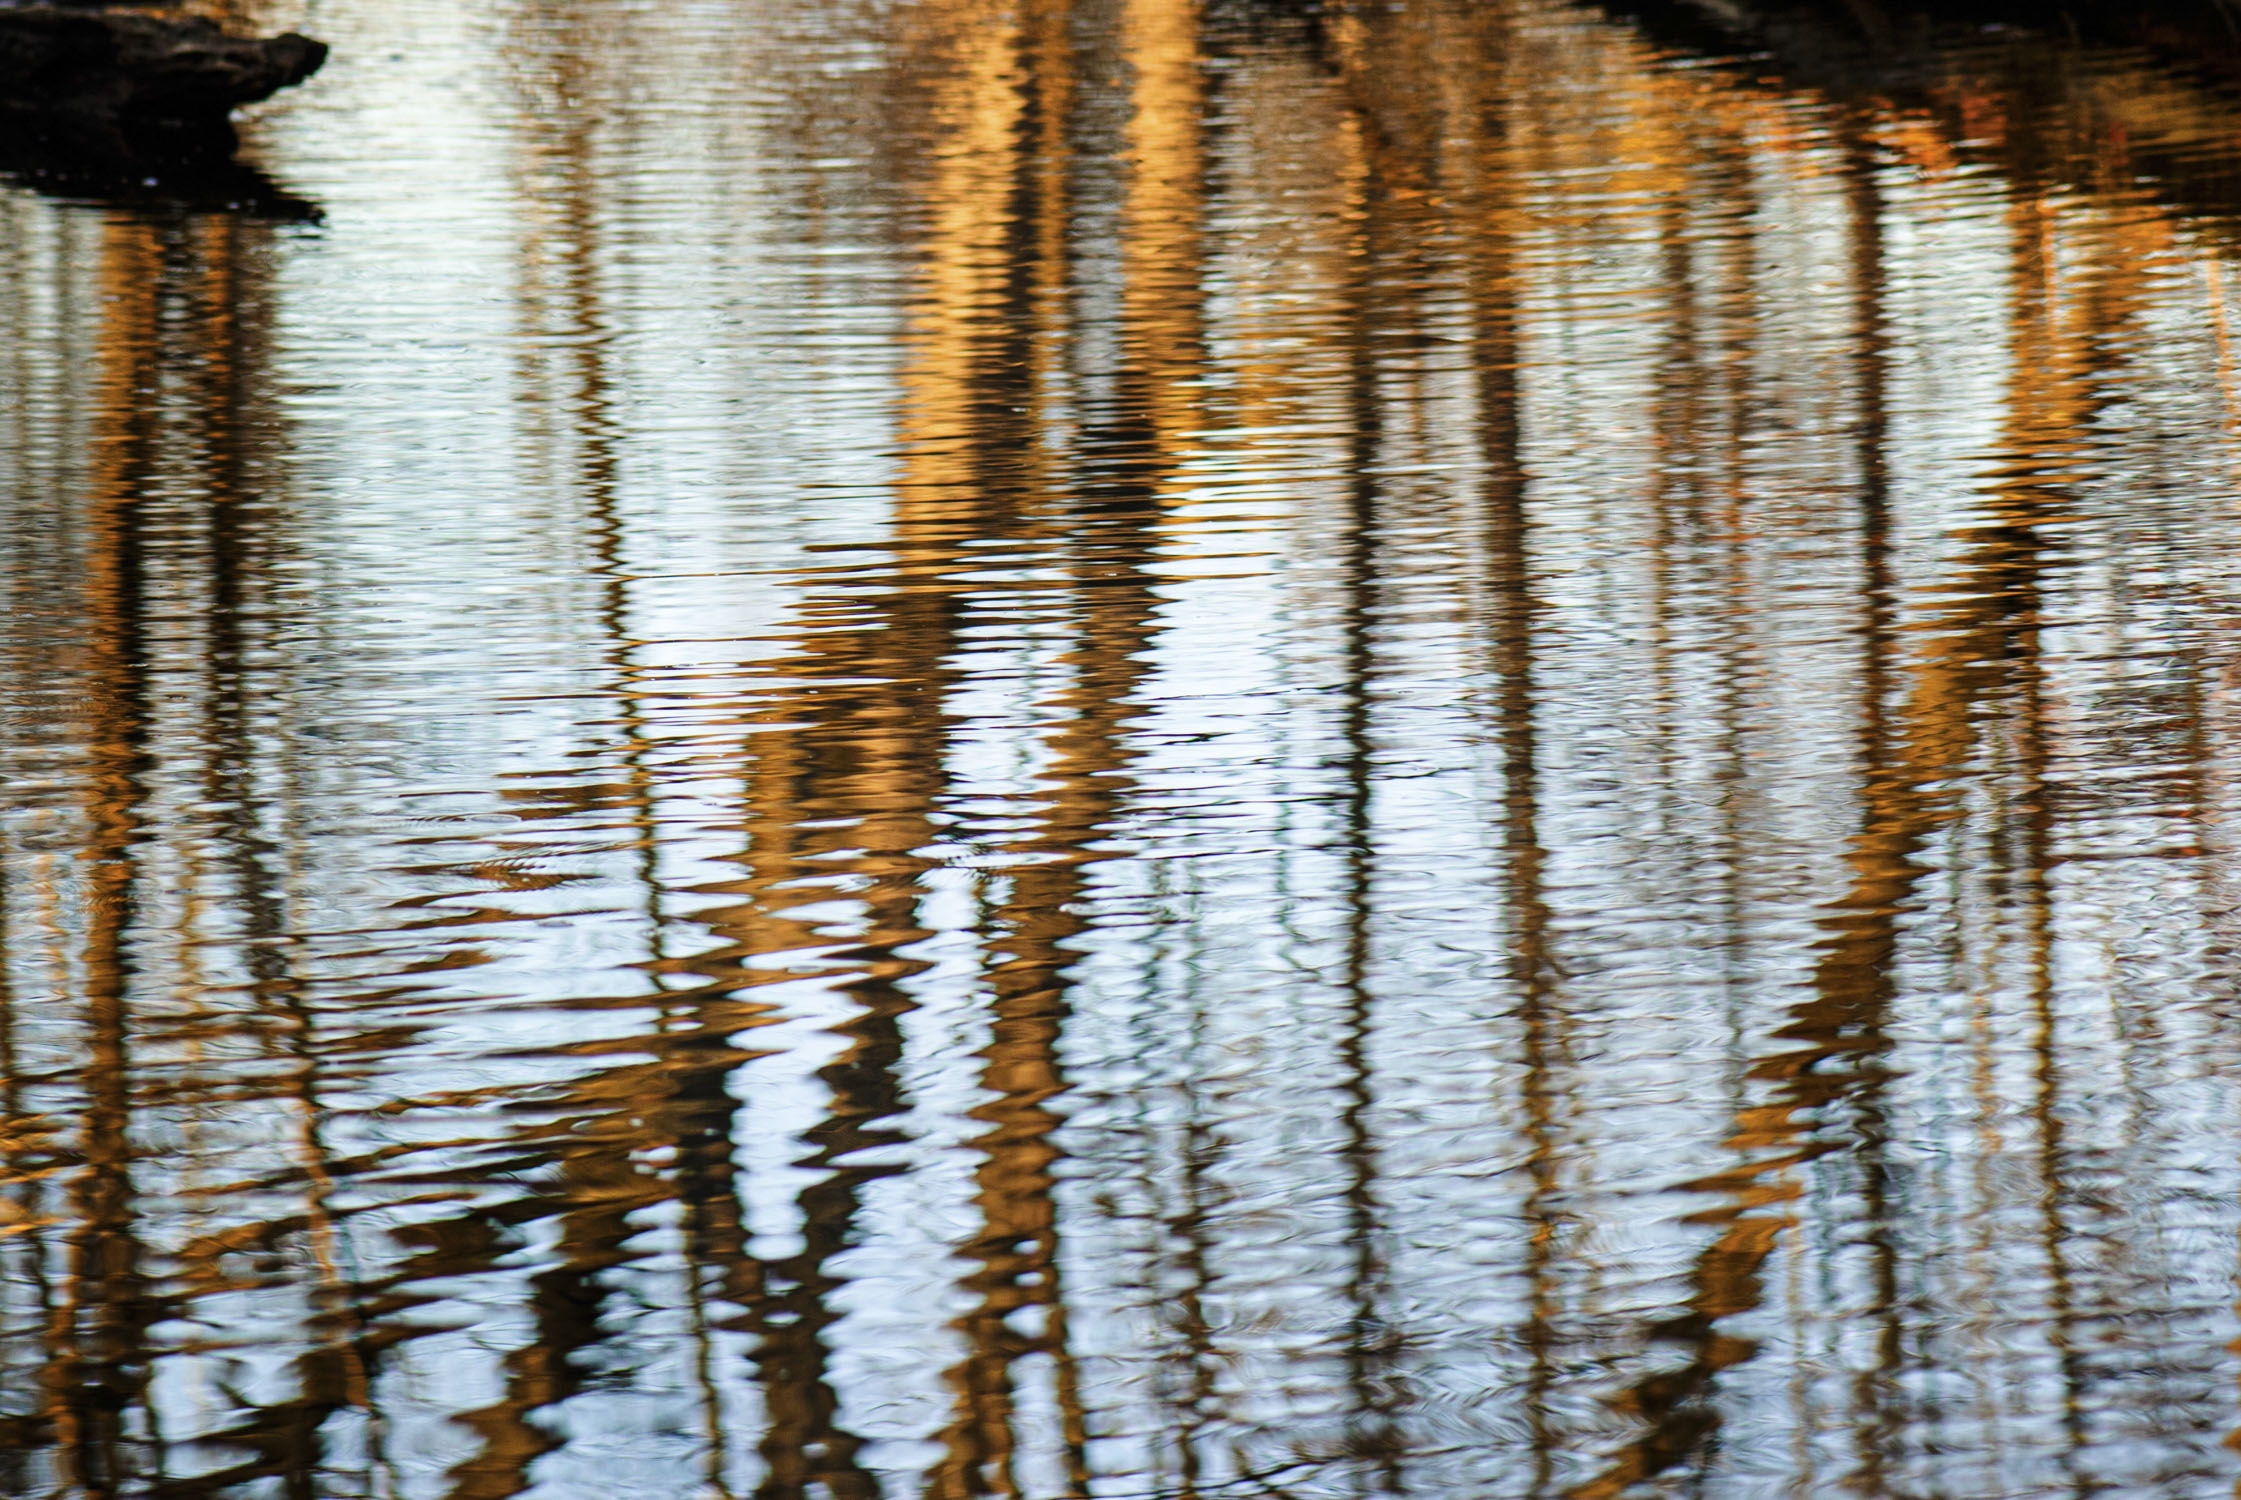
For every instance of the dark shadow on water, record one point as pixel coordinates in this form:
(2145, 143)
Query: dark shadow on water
(193, 170)
(2045, 103)
(2204, 34)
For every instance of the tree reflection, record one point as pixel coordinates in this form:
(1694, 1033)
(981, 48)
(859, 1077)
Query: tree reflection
(1206, 750)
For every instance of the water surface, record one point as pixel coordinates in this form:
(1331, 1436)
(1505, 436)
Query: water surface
(1153, 748)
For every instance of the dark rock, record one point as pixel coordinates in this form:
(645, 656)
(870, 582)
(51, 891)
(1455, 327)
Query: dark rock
(124, 105)
(130, 79)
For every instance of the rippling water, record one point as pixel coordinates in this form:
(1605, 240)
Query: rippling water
(1128, 748)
